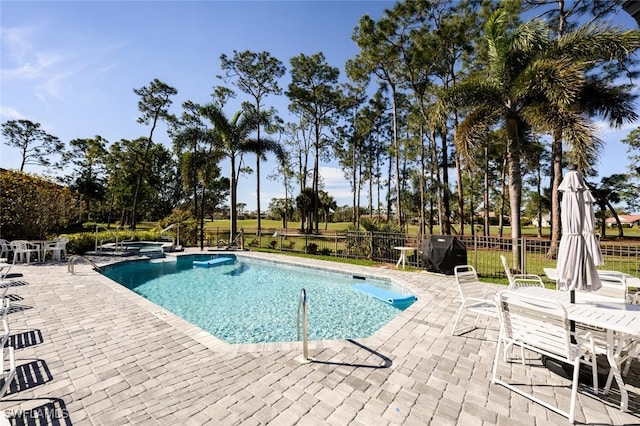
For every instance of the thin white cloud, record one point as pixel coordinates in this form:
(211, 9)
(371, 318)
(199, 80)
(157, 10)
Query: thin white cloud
(52, 73)
(603, 128)
(10, 113)
(336, 184)
(16, 42)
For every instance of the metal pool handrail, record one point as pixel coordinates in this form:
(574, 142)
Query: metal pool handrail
(72, 261)
(303, 305)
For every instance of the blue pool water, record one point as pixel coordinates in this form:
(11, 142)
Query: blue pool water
(253, 301)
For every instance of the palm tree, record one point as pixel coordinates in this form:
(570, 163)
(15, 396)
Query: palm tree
(531, 81)
(327, 203)
(232, 138)
(500, 96)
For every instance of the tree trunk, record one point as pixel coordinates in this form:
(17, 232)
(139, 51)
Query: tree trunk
(515, 190)
(487, 224)
(446, 197)
(556, 177)
(233, 213)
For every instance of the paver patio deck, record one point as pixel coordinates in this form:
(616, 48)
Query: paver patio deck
(92, 352)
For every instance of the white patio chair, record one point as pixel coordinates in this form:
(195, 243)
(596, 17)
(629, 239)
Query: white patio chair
(541, 326)
(22, 251)
(57, 248)
(475, 298)
(520, 280)
(8, 366)
(614, 284)
(7, 362)
(4, 271)
(5, 249)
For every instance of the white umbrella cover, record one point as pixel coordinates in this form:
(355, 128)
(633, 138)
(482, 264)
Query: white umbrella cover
(589, 232)
(576, 267)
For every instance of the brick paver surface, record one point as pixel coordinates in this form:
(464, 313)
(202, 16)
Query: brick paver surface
(92, 352)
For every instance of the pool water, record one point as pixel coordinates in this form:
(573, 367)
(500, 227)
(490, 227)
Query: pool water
(253, 301)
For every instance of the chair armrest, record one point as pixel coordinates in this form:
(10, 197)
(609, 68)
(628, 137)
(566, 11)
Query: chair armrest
(528, 277)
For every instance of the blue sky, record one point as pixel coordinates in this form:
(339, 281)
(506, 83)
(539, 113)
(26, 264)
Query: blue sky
(73, 65)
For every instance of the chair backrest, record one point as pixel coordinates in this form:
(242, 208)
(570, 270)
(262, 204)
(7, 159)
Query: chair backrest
(5, 248)
(20, 244)
(506, 268)
(468, 283)
(542, 324)
(614, 284)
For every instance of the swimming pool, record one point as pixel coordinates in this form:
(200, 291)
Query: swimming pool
(256, 301)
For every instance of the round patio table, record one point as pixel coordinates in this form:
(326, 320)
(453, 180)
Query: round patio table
(403, 255)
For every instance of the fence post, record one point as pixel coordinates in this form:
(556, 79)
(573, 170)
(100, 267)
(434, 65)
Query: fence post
(475, 250)
(523, 262)
(335, 235)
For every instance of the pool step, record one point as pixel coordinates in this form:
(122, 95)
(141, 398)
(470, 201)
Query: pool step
(214, 262)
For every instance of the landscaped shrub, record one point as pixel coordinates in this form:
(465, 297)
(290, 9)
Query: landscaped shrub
(81, 243)
(312, 248)
(34, 207)
(187, 226)
(326, 251)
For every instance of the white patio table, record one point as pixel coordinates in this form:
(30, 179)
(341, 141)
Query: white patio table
(617, 318)
(403, 255)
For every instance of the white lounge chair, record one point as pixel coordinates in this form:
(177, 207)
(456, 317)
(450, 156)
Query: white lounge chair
(474, 296)
(4, 271)
(7, 362)
(540, 326)
(520, 280)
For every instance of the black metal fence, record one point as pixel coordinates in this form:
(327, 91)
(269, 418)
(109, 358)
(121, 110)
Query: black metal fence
(482, 252)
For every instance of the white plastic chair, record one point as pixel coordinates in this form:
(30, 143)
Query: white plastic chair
(476, 299)
(22, 251)
(541, 326)
(5, 249)
(520, 280)
(57, 248)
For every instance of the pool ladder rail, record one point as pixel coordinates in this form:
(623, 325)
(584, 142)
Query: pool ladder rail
(302, 306)
(76, 257)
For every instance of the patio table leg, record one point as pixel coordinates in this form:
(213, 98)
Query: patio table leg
(613, 356)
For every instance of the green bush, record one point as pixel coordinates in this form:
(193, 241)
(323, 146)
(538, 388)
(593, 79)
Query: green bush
(81, 243)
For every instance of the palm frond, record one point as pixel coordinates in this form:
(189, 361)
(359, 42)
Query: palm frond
(599, 42)
(558, 80)
(473, 130)
(615, 103)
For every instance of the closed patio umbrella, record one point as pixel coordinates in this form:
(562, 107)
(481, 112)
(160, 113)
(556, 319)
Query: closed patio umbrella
(576, 268)
(578, 251)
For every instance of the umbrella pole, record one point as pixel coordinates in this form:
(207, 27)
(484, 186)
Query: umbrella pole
(572, 300)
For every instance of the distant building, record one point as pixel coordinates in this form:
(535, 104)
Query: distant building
(630, 220)
(632, 7)
(546, 221)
